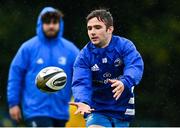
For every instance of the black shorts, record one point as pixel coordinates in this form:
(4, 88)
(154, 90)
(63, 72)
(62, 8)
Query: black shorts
(41, 121)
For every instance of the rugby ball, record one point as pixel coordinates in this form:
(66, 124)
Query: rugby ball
(51, 79)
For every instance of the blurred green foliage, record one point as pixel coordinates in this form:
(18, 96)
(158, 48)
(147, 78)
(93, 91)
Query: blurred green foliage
(153, 25)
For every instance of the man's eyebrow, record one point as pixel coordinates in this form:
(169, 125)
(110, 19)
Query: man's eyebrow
(96, 25)
(93, 25)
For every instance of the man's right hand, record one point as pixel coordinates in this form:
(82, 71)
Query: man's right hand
(15, 113)
(82, 108)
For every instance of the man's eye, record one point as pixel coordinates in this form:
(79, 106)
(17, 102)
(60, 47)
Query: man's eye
(89, 28)
(98, 27)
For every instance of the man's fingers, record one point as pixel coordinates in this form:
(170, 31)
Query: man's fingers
(117, 93)
(118, 96)
(115, 84)
(92, 109)
(89, 111)
(77, 111)
(13, 117)
(82, 113)
(16, 117)
(116, 89)
(19, 116)
(81, 108)
(73, 104)
(111, 81)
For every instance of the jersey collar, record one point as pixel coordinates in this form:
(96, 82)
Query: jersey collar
(109, 48)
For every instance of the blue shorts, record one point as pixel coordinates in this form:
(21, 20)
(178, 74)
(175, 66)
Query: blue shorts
(102, 120)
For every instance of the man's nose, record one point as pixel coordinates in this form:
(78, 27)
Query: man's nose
(51, 25)
(93, 32)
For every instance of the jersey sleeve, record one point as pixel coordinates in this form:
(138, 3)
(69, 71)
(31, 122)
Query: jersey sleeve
(75, 52)
(82, 78)
(134, 65)
(17, 71)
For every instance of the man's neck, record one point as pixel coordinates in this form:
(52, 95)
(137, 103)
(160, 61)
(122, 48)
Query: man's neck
(107, 42)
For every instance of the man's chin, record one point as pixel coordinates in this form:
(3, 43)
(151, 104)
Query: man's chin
(96, 43)
(51, 35)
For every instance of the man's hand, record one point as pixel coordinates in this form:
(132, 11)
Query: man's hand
(118, 88)
(82, 108)
(15, 113)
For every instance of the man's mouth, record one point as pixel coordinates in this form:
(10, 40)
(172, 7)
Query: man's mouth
(51, 30)
(94, 38)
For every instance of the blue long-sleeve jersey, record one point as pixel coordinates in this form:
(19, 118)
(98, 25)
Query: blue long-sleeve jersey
(35, 54)
(94, 66)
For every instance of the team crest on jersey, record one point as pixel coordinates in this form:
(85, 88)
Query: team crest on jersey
(62, 60)
(117, 62)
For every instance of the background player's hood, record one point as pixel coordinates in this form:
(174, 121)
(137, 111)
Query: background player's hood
(39, 30)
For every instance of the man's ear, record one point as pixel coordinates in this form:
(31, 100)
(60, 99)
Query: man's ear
(110, 29)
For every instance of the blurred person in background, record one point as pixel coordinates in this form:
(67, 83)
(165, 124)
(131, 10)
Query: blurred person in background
(47, 48)
(105, 74)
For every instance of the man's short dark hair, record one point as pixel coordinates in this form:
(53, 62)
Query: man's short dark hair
(102, 15)
(52, 16)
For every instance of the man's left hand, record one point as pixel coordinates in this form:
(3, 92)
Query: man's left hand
(118, 88)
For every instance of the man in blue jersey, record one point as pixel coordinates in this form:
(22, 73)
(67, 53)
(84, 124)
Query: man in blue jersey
(105, 73)
(47, 48)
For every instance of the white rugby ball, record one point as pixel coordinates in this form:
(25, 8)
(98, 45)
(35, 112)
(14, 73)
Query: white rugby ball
(51, 79)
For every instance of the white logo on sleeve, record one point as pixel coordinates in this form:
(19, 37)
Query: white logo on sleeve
(40, 61)
(62, 60)
(95, 68)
